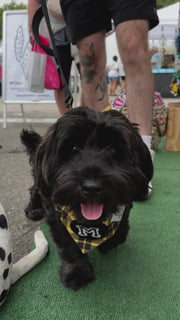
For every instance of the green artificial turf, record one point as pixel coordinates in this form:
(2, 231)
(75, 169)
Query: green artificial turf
(139, 280)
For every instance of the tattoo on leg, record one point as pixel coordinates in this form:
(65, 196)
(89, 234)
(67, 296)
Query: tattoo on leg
(102, 87)
(88, 65)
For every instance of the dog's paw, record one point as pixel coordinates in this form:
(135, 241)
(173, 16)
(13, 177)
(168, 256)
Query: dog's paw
(75, 276)
(36, 214)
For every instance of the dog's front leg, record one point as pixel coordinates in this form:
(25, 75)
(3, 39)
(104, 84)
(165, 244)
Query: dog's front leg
(76, 270)
(77, 273)
(34, 209)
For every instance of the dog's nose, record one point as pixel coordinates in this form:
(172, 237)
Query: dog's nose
(91, 188)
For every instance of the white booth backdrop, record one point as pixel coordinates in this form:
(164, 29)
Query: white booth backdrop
(16, 49)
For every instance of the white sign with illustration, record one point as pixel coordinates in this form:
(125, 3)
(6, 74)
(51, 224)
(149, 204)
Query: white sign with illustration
(16, 48)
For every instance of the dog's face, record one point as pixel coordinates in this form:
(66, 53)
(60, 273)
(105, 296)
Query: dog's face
(90, 161)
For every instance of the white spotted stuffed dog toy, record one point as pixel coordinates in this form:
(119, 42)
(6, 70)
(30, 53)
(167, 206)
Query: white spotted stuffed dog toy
(9, 272)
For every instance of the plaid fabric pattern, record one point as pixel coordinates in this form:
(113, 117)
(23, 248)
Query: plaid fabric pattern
(86, 237)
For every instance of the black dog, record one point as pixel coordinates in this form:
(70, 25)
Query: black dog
(87, 169)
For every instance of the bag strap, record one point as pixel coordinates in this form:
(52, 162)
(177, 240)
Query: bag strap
(35, 30)
(40, 13)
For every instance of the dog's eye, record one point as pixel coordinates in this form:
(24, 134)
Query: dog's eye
(111, 150)
(75, 150)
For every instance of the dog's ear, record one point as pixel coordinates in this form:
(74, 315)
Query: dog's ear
(44, 159)
(31, 140)
(138, 155)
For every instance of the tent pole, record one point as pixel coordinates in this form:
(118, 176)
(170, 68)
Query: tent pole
(177, 60)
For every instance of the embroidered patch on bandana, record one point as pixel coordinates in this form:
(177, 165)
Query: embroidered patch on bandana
(89, 237)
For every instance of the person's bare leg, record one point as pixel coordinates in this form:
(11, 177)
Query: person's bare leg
(114, 87)
(59, 97)
(93, 64)
(111, 88)
(123, 85)
(133, 47)
(132, 39)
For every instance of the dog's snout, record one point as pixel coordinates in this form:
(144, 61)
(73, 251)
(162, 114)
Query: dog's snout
(91, 188)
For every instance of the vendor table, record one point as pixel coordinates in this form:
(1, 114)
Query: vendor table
(163, 78)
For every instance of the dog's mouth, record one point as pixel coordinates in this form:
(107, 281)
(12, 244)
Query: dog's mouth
(91, 210)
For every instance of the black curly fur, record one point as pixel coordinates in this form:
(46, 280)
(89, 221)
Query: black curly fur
(86, 156)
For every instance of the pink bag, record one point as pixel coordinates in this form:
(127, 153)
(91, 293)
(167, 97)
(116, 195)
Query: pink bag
(52, 79)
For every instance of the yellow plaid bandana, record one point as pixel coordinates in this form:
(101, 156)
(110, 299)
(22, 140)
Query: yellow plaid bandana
(107, 108)
(89, 237)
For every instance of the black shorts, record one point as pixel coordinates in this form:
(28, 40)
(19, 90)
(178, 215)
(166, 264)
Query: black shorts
(85, 17)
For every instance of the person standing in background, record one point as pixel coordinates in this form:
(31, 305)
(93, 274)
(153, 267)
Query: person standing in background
(113, 75)
(156, 59)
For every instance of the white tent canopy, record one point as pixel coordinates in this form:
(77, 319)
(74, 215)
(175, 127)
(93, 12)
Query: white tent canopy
(4, 2)
(169, 15)
(168, 23)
